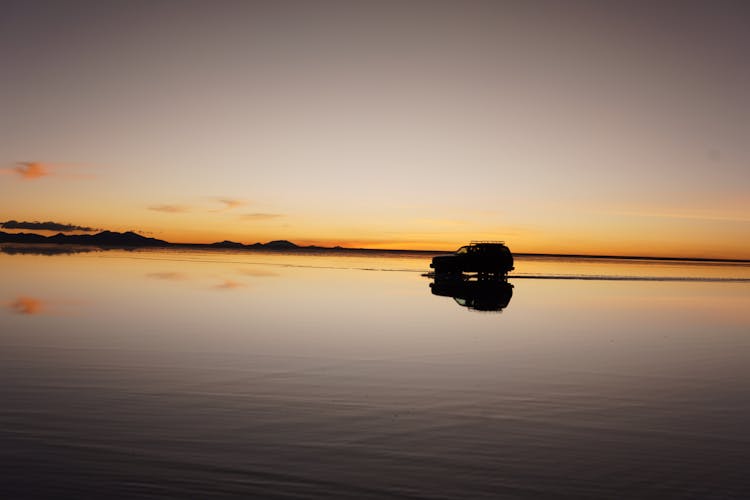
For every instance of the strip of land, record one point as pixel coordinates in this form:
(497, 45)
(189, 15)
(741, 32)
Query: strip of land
(130, 240)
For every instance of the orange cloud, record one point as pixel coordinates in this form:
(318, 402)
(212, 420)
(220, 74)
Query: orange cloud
(171, 209)
(229, 204)
(26, 305)
(260, 216)
(31, 170)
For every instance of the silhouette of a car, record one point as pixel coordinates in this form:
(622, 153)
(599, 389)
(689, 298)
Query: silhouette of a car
(484, 257)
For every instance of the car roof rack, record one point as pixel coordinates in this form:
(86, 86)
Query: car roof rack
(496, 242)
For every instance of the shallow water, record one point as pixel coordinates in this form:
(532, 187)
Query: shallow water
(175, 374)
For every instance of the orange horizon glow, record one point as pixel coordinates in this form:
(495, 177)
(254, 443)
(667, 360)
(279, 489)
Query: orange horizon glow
(520, 245)
(566, 131)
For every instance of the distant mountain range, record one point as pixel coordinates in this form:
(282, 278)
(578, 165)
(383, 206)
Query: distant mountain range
(131, 240)
(103, 239)
(274, 245)
(111, 239)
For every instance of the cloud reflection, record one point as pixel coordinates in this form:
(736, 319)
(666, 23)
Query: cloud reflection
(229, 285)
(169, 276)
(258, 273)
(27, 305)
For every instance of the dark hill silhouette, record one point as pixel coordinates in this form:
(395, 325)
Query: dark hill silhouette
(103, 239)
(227, 244)
(22, 238)
(280, 245)
(112, 239)
(271, 245)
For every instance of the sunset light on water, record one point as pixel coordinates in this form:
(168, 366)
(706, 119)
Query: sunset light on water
(377, 249)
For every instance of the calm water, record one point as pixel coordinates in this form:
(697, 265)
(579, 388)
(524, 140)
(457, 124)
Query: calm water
(164, 374)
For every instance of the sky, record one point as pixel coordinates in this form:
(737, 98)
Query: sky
(595, 127)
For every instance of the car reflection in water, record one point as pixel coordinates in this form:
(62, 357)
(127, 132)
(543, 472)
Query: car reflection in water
(476, 292)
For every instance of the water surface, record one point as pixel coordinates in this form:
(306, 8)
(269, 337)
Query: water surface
(173, 374)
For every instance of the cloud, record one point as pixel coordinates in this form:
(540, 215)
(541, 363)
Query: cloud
(170, 209)
(46, 226)
(226, 204)
(31, 170)
(26, 305)
(260, 216)
(229, 204)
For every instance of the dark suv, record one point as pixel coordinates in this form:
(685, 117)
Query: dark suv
(490, 257)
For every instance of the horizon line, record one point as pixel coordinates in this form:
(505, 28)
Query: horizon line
(244, 246)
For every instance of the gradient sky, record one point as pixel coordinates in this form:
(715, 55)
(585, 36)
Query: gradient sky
(584, 127)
